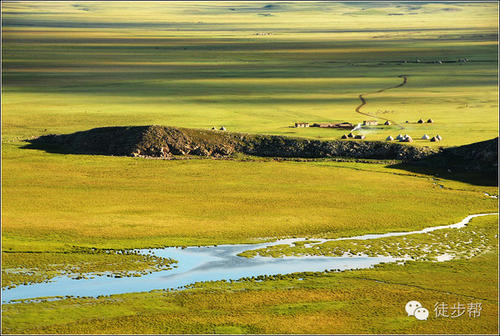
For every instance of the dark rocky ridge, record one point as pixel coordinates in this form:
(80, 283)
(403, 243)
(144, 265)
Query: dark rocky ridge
(161, 141)
(476, 163)
(167, 142)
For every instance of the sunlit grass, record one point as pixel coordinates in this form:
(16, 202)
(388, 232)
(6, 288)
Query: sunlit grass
(196, 75)
(74, 66)
(28, 267)
(139, 202)
(363, 301)
(476, 238)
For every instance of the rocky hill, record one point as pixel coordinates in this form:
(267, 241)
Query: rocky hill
(162, 141)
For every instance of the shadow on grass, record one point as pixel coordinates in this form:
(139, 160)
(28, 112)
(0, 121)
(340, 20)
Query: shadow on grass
(117, 141)
(476, 163)
(476, 178)
(50, 148)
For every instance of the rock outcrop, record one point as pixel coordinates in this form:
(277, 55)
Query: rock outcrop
(162, 141)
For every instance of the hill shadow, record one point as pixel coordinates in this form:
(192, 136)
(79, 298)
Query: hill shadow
(489, 179)
(476, 163)
(116, 140)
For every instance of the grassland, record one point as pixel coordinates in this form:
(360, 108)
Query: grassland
(368, 301)
(70, 67)
(211, 69)
(128, 203)
(474, 239)
(80, 263)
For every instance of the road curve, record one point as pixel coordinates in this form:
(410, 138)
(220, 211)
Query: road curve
(363, 101)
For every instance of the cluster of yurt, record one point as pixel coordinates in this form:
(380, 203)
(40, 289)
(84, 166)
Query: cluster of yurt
(352, 136)
(407, 138)
(404, 138)
(400, 138)
(421, 121)
(436, 138)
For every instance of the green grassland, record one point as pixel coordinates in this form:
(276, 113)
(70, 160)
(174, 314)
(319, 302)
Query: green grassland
(73, 66)
(363, 301)
(79, 263)
(474, 239)
(75, 69)
(132, 202)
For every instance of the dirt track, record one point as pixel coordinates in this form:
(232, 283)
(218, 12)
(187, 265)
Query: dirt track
(363, 101)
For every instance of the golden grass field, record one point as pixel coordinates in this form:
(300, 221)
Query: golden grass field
(71, 66)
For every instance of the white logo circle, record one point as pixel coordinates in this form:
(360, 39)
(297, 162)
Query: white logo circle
(421, 313)
(411, 306)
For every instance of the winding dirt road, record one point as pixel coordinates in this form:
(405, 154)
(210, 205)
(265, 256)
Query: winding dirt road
(363, 101)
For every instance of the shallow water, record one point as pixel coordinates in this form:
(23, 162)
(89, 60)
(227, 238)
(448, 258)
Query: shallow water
(458, 225)
(195, 264)
(209, 263)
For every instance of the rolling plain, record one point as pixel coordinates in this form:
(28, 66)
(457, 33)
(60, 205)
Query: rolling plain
(253, 68)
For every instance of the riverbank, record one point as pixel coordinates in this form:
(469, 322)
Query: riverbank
(227, 262)
(359, 301)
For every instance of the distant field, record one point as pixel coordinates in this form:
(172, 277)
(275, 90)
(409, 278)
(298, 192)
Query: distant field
(75, 67)
(252, 68)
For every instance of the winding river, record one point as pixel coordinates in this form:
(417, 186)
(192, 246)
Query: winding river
(208, 263)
